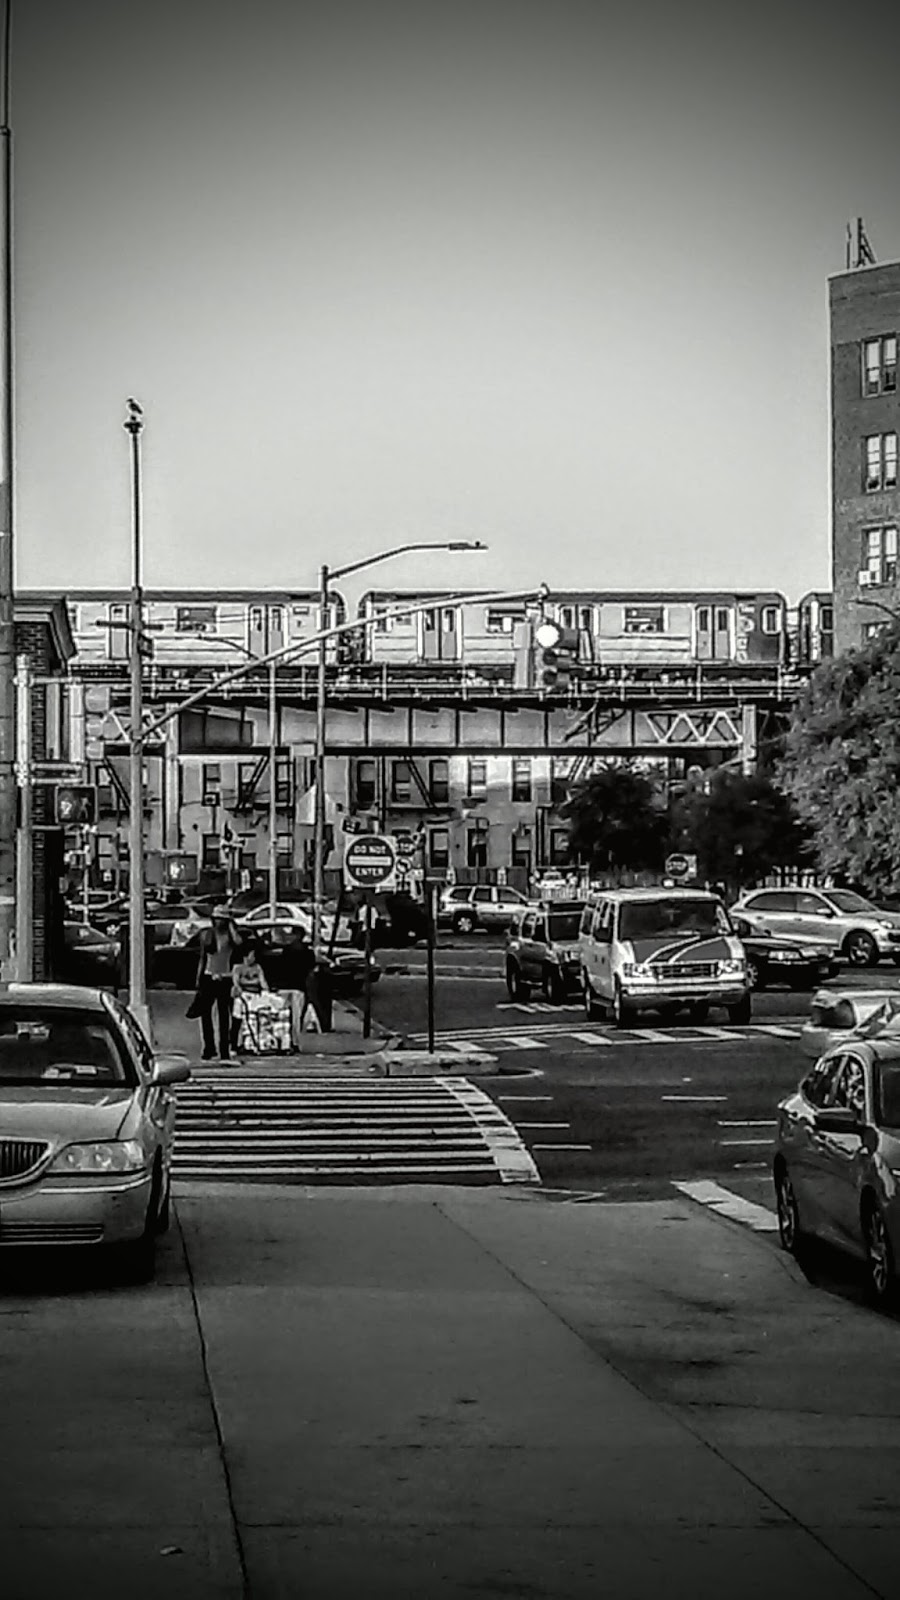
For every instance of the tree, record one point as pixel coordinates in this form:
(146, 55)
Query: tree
(842, 763)
(739, 827)
(615, 821)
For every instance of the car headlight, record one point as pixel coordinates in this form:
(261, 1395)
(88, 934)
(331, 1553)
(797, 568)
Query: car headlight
(732, 968)
(635, 969)
(785, 955)
(110, 1155)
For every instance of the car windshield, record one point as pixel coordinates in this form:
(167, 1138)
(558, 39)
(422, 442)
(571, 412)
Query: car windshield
(888, 1095)
(45, 1046)
(644, 919)
(846, 900)
(564, 925)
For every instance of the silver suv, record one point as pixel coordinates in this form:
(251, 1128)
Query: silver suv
(466, 907)
(857, 929)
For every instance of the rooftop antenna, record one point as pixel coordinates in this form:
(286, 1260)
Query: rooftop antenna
(859, 250)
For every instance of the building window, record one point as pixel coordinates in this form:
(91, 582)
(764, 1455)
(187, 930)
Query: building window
(521, 778)
(559, 847)
(439, 849)
(476, 847)
(284, 850)
(284, 784)
(401, 782)
(210, 852)
(439, 782)
(770, 619)
(559, 782)
(645, 619)
(477, 779)
(879, 365)
(872, 630)
(880, 470)
(880, 554)
(520, 855)
(195, 619)
(366, 784)
(212, 783)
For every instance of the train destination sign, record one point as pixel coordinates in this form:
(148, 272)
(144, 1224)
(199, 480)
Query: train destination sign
(370, 861)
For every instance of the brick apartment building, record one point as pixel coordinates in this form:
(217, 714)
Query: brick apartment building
(865, 427)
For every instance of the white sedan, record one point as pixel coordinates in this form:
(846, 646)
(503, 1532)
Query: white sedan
(290, 914)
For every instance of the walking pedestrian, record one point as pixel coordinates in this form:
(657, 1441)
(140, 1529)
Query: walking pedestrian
(219, 947)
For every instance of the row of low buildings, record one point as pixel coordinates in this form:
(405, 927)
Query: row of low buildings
(460, 755)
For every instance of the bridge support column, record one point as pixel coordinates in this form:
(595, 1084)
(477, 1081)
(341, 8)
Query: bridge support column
(749, 748)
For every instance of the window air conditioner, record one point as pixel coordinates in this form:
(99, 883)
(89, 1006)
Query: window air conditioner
(865, 578)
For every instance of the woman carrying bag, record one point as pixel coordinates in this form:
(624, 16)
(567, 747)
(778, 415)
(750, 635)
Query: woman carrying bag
(219, 949)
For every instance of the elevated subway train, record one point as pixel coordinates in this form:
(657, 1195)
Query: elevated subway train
(641, 632)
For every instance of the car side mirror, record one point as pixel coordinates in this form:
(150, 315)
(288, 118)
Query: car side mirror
(170, 1069)
(603, 936)
(838, 1119)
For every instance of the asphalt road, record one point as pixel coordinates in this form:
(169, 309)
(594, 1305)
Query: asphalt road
(620, 1115)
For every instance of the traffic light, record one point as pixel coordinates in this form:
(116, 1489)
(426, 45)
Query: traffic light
(181, 867)
(76, 805)
(558, 655)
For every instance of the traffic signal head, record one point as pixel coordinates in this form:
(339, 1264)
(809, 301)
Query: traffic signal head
(76, 805)
(557, 655)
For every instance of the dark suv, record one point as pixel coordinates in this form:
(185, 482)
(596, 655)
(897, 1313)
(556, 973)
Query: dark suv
(542, 948)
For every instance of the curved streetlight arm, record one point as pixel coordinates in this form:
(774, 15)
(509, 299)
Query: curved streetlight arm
(402, 550)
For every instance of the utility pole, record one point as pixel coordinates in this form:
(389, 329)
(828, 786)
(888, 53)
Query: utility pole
(25, 851)
(319, 812)
(273, 795)
(137, 972)
(8, 795)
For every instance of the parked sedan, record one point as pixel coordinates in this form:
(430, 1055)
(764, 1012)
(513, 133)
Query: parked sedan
(772, 959)
(836, 1013)
(836, 1162)
(87, 1123)
(90, 956)
(542, 948)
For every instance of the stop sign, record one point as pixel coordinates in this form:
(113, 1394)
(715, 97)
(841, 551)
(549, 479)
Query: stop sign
(370, 861)
(681, 866)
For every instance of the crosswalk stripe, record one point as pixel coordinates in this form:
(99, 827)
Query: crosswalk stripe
(283, 1128)
(591, 1038)
(779, 1032)
(518, 1042)
(720, 1033)
(652, 1035)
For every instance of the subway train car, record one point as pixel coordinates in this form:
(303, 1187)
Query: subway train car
(640, 631)
(815, 628)
(191, 628)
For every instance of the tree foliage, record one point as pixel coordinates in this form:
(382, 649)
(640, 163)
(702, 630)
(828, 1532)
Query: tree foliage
(842, 763)
(739, 828)
(615, 821)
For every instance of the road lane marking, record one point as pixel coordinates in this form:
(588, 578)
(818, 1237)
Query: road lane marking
(523, 1042)
(529, 1124)
(561, 1147)
(750, 1122)
(729, 1205)
(694, 1097)
(779, 1032)
(591, 1038)
(721, 1033)
(533, 1098)
(734, 1143)
(651, 1035)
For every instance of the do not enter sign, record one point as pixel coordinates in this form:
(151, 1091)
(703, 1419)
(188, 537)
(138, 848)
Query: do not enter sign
(681, 866)
(370, 861)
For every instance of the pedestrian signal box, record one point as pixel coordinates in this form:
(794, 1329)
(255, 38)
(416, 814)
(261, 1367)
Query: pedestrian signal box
(181, 867)
(76, 805)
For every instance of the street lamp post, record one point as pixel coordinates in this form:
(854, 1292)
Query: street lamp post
(137, 969)
(325, 577)
(8, 797)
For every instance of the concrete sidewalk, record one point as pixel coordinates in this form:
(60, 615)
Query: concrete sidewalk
(344, 1048)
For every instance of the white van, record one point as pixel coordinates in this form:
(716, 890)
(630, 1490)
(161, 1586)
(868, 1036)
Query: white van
(661, 950)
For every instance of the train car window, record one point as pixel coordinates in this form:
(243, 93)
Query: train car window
(645, 619)
(502, 621)
(567, 616)
(826, 619)
(770, 619)
(703, 619)
(195, 619)
(721, 618)
(448, 620)
(586, 618)
(429, 621)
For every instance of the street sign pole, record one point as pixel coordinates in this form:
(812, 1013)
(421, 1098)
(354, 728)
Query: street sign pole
(367, 1008)
(430, 892)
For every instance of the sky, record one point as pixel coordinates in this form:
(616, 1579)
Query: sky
(552, 276)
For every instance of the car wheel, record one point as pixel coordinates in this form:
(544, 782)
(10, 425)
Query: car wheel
(518, 988)
(742, 1011)
(880, 1282)
(789, 1230)
(698, 1011)
(553, 987)
(622, 1012)
(591, 1009)
(860, 949)
(754, 974)
(464, 923)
